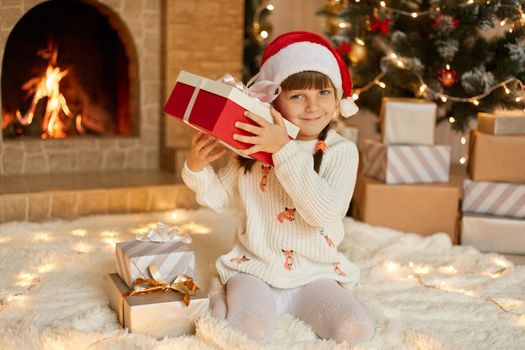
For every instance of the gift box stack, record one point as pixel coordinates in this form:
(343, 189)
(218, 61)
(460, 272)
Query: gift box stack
(404, 183)
(153, 291)
(494, 197)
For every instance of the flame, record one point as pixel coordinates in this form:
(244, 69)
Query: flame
(49, 86)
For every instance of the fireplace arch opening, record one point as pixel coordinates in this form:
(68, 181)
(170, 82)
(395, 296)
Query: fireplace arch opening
(69, 69)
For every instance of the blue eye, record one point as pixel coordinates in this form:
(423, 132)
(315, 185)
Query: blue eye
(296, 97)
(325, 92)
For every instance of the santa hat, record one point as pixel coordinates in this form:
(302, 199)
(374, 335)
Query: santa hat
(296, 52)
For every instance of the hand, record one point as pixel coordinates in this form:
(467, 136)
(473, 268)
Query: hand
(199, 156)
(268, 137)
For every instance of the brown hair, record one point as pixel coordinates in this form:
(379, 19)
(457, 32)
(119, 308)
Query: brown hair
(300, 81)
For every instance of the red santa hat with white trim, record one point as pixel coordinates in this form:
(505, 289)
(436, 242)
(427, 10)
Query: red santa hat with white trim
(296, 52)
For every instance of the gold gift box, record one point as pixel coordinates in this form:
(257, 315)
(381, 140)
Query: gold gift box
(156, 314)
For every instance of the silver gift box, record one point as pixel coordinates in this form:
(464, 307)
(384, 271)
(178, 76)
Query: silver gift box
(133, 259)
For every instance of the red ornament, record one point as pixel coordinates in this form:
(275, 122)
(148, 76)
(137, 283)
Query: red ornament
(447, 77)
(382, 25)
(446, 22)
(344, 48)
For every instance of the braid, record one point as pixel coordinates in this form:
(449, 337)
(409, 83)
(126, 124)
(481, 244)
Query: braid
(318, 156)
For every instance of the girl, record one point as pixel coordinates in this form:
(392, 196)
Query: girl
(285, 257)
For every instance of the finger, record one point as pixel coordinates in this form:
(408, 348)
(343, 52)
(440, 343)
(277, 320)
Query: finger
(202, 142)
(215, 156)
(209, 147)
(196, 137)
(277, 117)
(250, 150)
(259, 120)
(248, 127)
(246, 139)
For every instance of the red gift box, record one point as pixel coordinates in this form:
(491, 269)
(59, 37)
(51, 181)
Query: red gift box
(213, 107)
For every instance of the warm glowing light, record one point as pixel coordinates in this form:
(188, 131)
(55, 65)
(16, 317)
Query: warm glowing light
(381, 84)
(400, 63)
(174, 215)
(393, 55)
(475, 102)
(450, 270)
(46, 268)
(79, 233)
(194, 228)
(344, 24)
(507, 91)
(462, 160)
(502, 23)
(422, 88)
(355, 96)
(42, 237)
(421, 269)
(451, 120)
(264, 34)
(391, 265)
(382, 3)
(4, 239)
(443, 98)
(360, 41)
(518, 99)
(270, 7)
(463, 140)
(82, 247)
(414, 14)
(447, 66)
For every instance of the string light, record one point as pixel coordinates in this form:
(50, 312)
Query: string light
(463, 140)
(360, 42)
(257, 30)
(462, 160)
(451, 120)
(418, 271)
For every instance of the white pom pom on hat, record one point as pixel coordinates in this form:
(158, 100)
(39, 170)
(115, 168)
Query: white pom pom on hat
(296, 52)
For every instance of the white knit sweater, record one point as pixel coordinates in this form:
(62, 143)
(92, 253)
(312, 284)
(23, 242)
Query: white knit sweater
(292, 216)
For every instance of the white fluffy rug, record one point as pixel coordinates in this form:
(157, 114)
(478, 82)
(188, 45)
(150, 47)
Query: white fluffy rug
(426, 294)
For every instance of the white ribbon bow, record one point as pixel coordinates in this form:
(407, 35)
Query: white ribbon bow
(163, 233)
(265, 90)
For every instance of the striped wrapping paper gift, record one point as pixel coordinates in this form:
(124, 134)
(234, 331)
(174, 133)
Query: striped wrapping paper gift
(498, 198)
(172, 259)
(405, 164)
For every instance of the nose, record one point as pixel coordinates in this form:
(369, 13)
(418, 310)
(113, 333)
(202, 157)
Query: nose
(311, 104)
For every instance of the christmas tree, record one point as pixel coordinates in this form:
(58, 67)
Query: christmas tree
(466, 55)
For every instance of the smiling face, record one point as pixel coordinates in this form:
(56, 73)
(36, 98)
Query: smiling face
(309, 101)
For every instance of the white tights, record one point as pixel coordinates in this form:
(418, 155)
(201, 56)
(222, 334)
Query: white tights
(252, 307)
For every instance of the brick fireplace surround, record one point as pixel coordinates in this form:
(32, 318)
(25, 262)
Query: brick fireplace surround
(52, 179)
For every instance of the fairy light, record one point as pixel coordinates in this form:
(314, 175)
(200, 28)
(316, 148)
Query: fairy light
(462, 160)
(451, 120)
(502, 23)
(393, 55)
(257, 31)
(475, 102)
(381, 84)
(443, 98)
(507, 91)
(382, 3)
(422, 88)
(447, 66)
(355, 96)
(344, 24)
(360, 41)
(463, 140)
(414, 14)
(518, 99)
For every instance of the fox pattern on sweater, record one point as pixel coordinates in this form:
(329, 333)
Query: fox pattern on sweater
(284, 209)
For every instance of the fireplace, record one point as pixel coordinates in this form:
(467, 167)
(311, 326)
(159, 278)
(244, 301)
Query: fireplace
(77, 75)
(66, 73)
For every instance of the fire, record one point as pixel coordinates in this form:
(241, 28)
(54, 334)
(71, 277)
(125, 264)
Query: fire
(48, 87)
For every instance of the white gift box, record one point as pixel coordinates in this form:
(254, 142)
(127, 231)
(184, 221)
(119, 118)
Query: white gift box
(502, 123)
(134, 258)
(404, 164)
(408, 121)
(497, 198)
(493, 234)
(156, 314)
